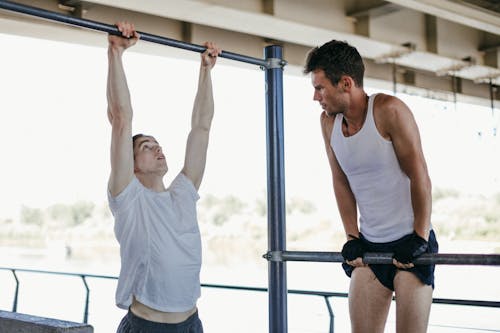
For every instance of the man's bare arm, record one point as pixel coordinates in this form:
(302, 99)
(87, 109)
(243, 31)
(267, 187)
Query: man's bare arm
(201, 119)
(403, 131)
(346, 202)
(120, 110)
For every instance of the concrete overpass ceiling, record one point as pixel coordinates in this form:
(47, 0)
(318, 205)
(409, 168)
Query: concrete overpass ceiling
(423, 44)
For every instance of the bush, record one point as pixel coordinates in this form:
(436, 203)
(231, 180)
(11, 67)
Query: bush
(31, 215)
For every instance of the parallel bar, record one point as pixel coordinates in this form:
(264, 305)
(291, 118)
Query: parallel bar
(386, 258)
(468, 302)
(276, 189)
(111, 29)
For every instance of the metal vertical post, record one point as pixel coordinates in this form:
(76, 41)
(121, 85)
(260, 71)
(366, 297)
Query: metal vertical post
(87, 295)
(276, 188)
(492, 104)
(16, 294)
(394, 78)
(492, 97)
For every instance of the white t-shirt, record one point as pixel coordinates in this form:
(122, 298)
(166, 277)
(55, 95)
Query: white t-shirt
(160, 245)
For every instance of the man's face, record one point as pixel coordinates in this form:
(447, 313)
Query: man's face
(148, 156)
(328, 95)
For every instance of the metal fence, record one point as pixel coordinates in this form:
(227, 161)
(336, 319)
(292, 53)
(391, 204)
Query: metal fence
(326, 295)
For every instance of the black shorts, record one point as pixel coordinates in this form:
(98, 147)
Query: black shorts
(386, 273)
(134, 324)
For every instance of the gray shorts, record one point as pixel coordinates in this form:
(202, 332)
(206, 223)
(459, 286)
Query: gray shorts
(386, 273)
(134, 324)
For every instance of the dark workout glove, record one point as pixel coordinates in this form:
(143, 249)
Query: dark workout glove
(410, 249)
(353, 249)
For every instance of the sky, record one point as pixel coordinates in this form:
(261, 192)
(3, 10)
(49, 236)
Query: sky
(55, 133)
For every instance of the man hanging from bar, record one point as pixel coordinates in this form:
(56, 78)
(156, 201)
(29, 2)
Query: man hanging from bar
(156, 226)
(378, 168)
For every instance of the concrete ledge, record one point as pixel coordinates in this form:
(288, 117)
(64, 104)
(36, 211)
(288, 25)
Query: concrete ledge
(13, 322)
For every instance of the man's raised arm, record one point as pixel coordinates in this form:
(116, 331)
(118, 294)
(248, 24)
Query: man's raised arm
(120, 110)
(201, 120)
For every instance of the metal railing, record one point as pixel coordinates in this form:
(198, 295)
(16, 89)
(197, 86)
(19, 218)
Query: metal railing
(326, 295)
(386, 258)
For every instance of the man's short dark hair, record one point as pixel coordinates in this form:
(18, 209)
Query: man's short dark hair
(135, 137)
(336, 58)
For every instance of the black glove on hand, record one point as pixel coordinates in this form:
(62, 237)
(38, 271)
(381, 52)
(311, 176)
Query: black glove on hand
(353, 249)
(410, 249)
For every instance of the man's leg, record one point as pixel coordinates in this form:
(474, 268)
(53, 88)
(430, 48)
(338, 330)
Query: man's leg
(369, 302)
(413, 303)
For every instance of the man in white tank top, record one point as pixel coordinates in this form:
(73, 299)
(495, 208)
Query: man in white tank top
(156, 226)
(379, 171)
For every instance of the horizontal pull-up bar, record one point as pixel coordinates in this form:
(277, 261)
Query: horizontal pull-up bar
(386, 258)
(112, 29)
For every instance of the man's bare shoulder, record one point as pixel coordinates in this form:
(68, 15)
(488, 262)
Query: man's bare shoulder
(326, 119)
(389, 111)
(387, 107)
(384, 101)
(326, 122)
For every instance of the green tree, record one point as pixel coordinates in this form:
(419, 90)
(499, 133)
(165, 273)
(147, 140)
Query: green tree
(73, 214)
(301, 205)
(81, 211)
(60, 212)
(31, 215)
(227, 207)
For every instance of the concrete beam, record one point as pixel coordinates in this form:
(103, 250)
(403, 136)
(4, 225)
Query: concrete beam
(457, 12)
(247, 32)
(23, 323)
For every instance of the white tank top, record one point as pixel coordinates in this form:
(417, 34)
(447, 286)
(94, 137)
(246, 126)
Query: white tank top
(381, 188)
